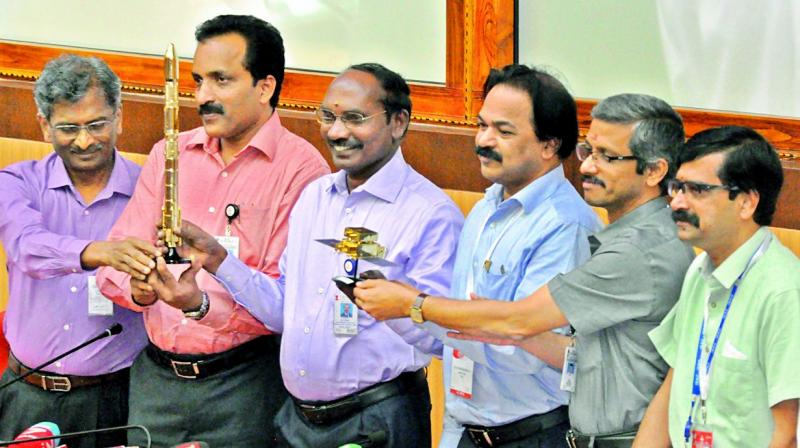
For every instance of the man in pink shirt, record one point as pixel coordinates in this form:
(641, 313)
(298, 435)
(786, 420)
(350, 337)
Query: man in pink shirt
(210, 371)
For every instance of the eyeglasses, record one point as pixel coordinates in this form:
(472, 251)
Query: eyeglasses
(697, 189)
(584, 151)
(350, 120)
(98, 128)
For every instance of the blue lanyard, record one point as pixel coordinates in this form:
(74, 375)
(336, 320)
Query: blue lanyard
(696, 392)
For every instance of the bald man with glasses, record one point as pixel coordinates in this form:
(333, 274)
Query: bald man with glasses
(628, 285)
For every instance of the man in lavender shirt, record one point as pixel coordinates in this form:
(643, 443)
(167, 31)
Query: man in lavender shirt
(54, 215)
(352, 379)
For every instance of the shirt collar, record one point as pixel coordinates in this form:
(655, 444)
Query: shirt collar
(730, 269)
(265, 140)
(648, 208)
(533, 194)
(386, 184)
(120, 180)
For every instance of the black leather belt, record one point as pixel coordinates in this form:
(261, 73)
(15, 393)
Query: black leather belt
(60, 383)
(490, 436)
(323, 412)
(194, 367)
(623, 439)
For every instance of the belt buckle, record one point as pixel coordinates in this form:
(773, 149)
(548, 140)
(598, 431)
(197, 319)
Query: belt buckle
(60, 383)
(571, 442)
(480, 436)
(314, 414)
(185, 369)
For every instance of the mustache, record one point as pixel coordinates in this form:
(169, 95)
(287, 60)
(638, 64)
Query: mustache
(211, 108)
(592, 180)
(346, 143)
(684, 216)
(94, 148)
(489, 153)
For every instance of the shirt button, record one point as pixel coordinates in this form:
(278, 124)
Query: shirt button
(347, 211)
(211, 209)
(58, 363)
(306, 330)
(224, 174)
(66, 327)
(302, 373)
(183, 321)
(713, 305)
(74, 270)
(491, 225)
(73, 289)
(86, 212)
(320, 290)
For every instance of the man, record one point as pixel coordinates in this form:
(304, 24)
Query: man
(530, 226)
(54, 215)
(624, 290)
(740, 302)
(352, 380)
(210, 373)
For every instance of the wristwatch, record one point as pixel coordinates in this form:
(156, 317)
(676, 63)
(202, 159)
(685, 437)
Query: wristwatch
(416, 308)
(200, 312)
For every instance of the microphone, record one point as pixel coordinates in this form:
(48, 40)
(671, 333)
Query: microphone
(116, 328)
(373, 439)
(30, 438)
(16, 443)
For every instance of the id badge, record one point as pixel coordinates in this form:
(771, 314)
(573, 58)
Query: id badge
(345, 317)
(461, 375)
(230, 243)
(702, 437)
(99, 305)
(569, 368)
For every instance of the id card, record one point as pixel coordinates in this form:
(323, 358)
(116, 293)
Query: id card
(569, 368)
(461, 375)
(345, 317)
(99, 305)
(230, 243)
(702, 437)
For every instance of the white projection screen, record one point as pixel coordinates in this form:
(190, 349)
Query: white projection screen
(407, 36)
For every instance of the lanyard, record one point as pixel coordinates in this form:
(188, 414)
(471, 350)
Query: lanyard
(487, 259)
(701, 376)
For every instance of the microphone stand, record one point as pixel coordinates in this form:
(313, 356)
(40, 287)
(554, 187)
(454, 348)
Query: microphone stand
(110, 331)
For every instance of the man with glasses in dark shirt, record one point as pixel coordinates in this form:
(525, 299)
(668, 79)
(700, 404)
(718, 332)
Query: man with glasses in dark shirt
(628, 285)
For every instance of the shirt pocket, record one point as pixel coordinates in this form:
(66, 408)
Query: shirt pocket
(732, 382)
(254, 229)
(501, 280)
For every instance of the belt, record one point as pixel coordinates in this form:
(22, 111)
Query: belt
(321, 413)
(60, 383)
(490, 436)
(194, 367)
(623, 439)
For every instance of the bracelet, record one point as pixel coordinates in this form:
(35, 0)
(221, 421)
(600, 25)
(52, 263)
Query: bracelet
(201, 312)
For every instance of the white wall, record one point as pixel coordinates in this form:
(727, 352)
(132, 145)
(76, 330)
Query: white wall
(739, 55)
(407, 36)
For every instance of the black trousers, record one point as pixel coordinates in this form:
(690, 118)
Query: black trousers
(105, 405)
(404, 419)
(229, 409)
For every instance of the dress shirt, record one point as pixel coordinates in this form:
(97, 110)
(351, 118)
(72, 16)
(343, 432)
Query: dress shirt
(755, 363)
(264, 179)
(539, 232)
(45, 225)
(625, 289)
(419, 226)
